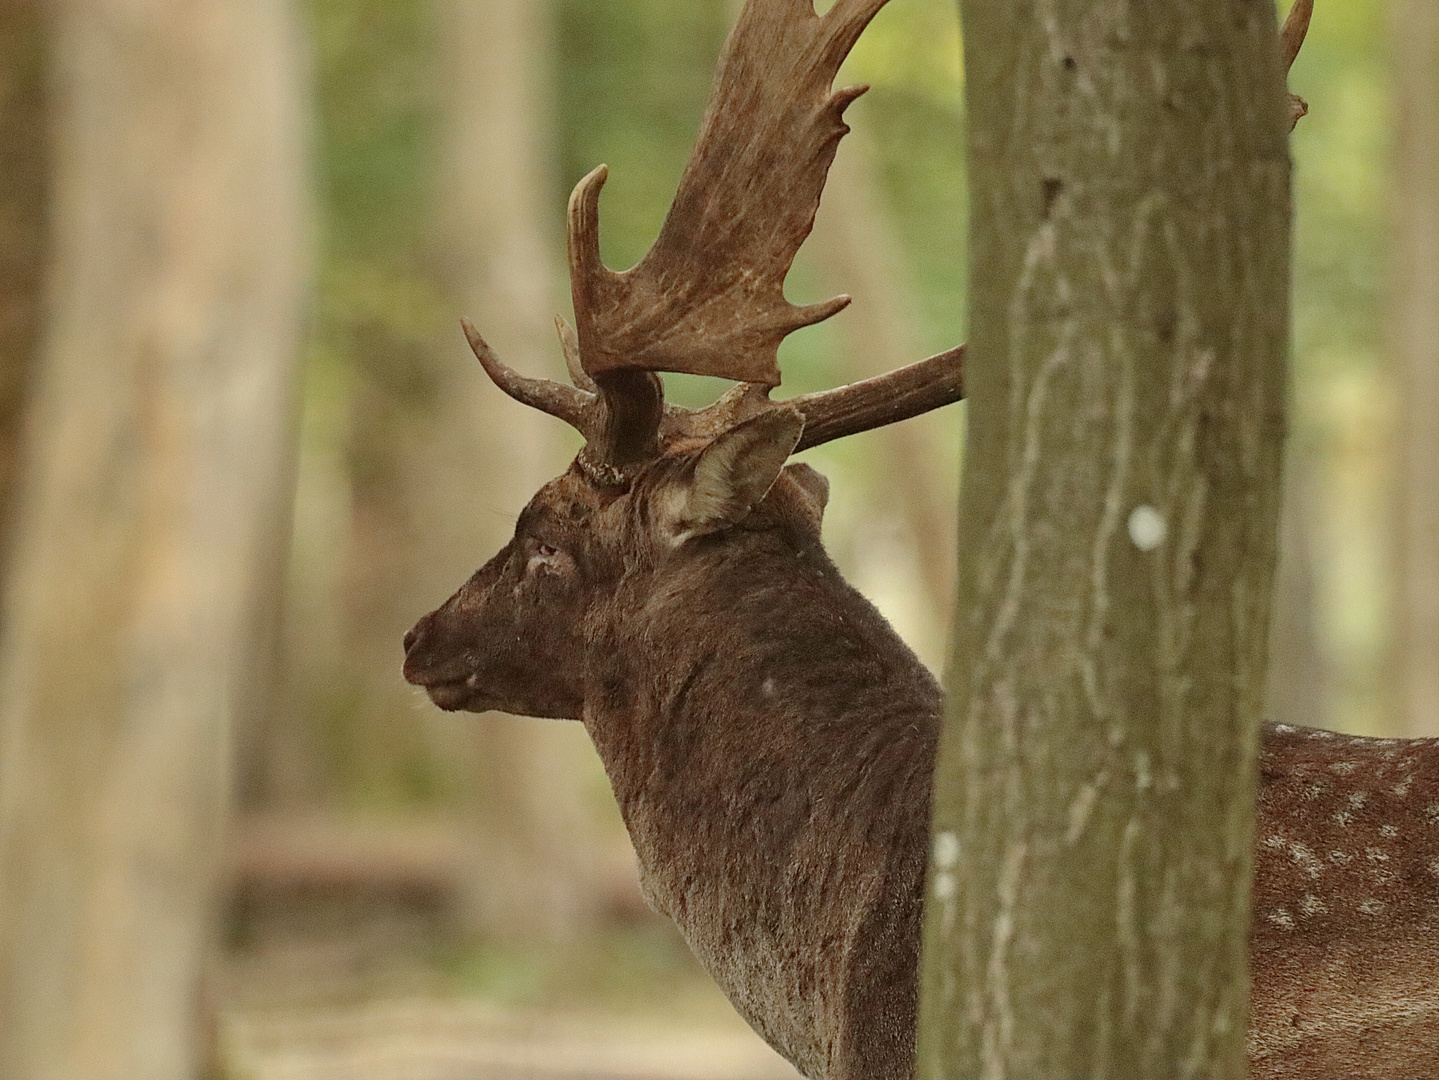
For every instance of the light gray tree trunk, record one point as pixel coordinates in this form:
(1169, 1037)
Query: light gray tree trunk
(1414, 341)
(155, 493)
(465, 462)
(1087, 912)
(535, 867)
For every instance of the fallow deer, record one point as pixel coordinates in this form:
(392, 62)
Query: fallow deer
(768, 736)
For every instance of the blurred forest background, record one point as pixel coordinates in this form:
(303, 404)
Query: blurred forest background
(243, 447)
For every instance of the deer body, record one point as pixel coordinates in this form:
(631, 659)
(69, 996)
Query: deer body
(770, 740)
(1344, 943)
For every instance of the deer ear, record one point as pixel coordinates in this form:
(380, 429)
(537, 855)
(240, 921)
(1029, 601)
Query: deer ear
(732, 474)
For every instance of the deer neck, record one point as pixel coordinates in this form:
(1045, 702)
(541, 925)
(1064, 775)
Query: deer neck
(770, 741)
(749, 659)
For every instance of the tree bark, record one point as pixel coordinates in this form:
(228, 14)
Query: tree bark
(1414, 341)
(1087, 911)
(156, 488)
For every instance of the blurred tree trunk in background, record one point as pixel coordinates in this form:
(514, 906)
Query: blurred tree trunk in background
(151, 519)
(1088, 909)
(1298, 686)
(855, 246)
(536, 865)
(1414, 340)
(462, 462)
(24, 148)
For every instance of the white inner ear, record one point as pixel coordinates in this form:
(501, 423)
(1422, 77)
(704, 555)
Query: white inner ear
(734, 472)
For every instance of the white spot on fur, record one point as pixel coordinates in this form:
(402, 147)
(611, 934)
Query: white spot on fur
(1312, 905)
(1402, 788)
(1281, 917)
(1340, 858)
(1343, 768)
(1358, 799)
(1313, 791)
(1373, 854)
(1389, 830)
(1306, 858)
(1274, 840)
(1343, 817)
(767, 687)
(1372, 907)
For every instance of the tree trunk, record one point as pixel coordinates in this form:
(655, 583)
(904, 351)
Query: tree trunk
(1415, 343)
(457, 467)
(23, 206)
(1089, 901)
(154, 497)
(535, 859)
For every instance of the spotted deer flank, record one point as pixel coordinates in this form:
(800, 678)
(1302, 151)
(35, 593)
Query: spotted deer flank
(1346, 906)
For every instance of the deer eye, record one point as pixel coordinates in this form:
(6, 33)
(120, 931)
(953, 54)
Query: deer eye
(543, 557)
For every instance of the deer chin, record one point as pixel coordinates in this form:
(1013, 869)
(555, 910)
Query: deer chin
(459, 696)
(452, 694)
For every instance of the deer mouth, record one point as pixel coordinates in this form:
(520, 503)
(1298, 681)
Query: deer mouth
(453, 696)
(452, 693)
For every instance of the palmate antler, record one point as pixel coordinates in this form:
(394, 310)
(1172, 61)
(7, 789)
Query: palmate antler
(708, 298)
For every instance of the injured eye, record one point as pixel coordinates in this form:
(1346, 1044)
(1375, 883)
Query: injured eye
(544, 551)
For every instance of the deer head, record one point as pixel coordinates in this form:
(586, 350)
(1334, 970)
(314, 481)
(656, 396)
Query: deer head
(654, 479)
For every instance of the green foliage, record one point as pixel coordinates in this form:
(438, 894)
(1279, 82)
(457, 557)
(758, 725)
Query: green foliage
(376, 117)
(1341, 395)
(1341, 152)
(633, 76)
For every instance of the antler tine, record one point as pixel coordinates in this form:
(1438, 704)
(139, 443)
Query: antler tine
(885, 399)
(570, 345)
(1296, 25)
(708, 298)
(573, 406)
(1291, 38)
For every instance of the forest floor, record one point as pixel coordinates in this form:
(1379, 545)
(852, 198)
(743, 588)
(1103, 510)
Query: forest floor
(379, 1000)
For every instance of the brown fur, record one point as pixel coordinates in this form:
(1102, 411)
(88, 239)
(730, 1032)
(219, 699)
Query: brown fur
(770, 741)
